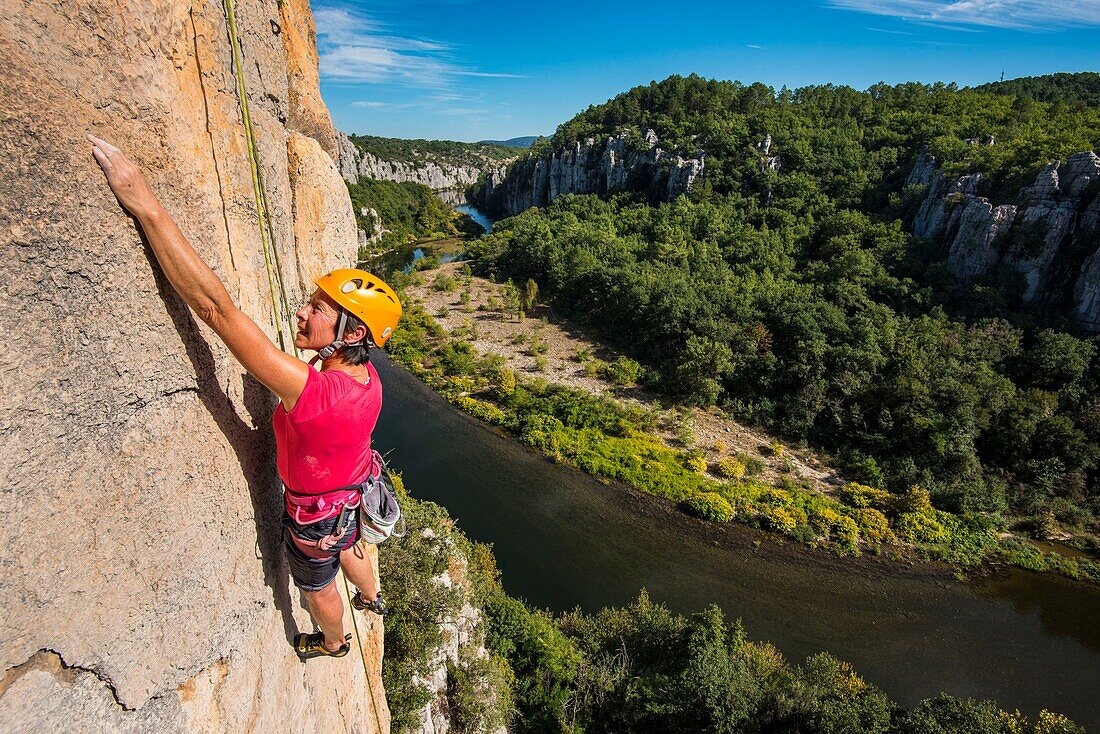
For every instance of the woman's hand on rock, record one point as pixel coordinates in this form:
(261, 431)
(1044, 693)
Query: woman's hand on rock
(125, 178)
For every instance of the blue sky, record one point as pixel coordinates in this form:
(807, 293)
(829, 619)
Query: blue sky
(466, 70)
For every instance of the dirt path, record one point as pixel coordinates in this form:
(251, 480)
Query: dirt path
(482, 322)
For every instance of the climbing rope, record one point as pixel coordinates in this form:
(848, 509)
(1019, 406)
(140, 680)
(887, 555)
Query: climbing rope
(267, 233)
(275, 272)
(362, 655)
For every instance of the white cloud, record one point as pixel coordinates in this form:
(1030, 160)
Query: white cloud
(373, 105)
(1034, 15)
(753, 45)
(886, 30)
(353, 47)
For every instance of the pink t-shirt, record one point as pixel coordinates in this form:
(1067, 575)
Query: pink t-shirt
(324, 442)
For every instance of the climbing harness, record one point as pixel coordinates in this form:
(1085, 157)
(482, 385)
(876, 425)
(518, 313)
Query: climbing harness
(267, 233)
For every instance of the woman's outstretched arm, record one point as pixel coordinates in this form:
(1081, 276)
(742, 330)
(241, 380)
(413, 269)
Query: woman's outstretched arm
(196, 283)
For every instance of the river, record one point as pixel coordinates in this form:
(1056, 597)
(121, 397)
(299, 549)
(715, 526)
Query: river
(564, 540)
(477, 215)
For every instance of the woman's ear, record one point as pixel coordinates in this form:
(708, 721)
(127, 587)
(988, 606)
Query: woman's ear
(356, 335)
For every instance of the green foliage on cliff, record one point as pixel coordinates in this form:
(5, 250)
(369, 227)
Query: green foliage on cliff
(412, 569)
(797, 300)
(442, 151)
(410, 211)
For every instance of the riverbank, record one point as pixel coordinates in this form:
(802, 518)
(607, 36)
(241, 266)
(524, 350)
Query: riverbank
(472, 337)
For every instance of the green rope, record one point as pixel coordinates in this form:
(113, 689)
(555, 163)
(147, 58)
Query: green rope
(359, 642)
(267, 234)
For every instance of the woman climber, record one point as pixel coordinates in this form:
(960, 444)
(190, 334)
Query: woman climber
(324, 419)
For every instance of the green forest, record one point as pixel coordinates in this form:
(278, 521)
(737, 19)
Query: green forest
(796, 299)
(409, 211)
(412, 150)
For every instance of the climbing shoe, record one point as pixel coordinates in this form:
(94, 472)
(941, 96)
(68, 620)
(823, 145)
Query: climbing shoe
(378, 606)
(313, 646)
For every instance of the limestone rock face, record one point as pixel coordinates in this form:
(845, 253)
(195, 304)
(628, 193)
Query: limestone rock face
(144, 586)
(592, 167)
(306, 111)
(323, 220)
(437, 173)
(462, 635)
(1049, 236)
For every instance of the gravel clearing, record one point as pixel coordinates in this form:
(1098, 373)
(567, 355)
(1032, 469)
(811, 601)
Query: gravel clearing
(488, 329)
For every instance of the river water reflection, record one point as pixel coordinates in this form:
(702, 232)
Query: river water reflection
(563, 540)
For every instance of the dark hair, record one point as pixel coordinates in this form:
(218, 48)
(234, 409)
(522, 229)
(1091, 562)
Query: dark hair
(359, 352)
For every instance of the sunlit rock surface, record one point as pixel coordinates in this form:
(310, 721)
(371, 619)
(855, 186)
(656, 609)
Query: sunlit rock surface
(143, 585)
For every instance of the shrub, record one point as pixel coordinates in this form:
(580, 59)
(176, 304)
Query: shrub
(775, 449)
(920, 527)
(538, 345)
(946, 715)
(719, 447)
(729, 468)
(541, 363)
(540, 430)
(711, 506)
(457, 358)
(754, 465)
(860, 495)
(872, 524)
(624, 372)
(695, 463)
(822, 519)
(441, 312)
(1052, 723)
(481, 410)
(504, 382)
(773, 496)
(915, 500)
(845, 532)
(594, 367)
(444, 283)
(780, 519)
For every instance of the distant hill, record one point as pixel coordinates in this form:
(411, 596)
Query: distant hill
(1072, 89)
(522, 142)
(455, 153)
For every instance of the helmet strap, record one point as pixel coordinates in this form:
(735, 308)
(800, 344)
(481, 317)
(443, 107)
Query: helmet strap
(341, 324)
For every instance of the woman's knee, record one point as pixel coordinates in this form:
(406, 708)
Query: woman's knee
(321, 596)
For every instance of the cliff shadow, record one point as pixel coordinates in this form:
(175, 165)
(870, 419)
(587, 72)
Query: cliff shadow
(253, 445)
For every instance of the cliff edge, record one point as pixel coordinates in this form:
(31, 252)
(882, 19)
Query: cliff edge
(143, 585)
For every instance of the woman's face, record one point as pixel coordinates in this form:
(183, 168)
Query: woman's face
(316, 322)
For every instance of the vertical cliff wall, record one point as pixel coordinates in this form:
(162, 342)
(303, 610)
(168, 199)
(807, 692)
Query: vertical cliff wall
(591, 167)
(1050, 236)
(142, 584)
(447, 177)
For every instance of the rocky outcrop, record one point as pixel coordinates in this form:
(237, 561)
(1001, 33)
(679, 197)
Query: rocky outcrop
(592, 167)
(1050, 236)
(143, 584)
(437, 173)
(373, 221)
(463, 638)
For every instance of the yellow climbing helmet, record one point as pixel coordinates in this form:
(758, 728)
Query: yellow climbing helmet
(365, 296)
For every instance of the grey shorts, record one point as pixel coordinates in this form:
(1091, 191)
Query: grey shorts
(314, 574)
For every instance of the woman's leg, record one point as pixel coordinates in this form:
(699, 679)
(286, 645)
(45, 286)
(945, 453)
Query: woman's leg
(328, 611)
(360, 571)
